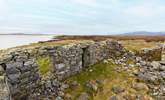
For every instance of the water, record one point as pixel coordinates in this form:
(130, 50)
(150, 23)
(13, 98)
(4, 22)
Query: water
(8, 41)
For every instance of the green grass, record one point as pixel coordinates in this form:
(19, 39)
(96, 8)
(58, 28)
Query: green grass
(106, 72)
(95, 72)
(44, 65)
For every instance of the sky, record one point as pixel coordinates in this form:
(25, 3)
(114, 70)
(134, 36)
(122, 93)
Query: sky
(81, 16)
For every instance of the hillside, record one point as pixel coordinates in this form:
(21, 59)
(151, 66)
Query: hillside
(145, 33)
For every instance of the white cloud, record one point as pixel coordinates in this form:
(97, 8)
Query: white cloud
(145, 10)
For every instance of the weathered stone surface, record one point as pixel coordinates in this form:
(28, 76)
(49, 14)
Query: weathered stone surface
(117, 89)
(83, 96)
(4, 90)
(154, 75)
(154, 54)
(140, 87)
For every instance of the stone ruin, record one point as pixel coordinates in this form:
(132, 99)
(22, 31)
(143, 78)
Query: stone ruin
(19, 73)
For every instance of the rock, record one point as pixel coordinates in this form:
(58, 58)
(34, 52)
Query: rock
(48, 84)
(113, 98)
(1, 70)
(60, 67)
(162, 68)
(117, 89)
(59, 98)
(162, 62)
(83, 96)
(143, 63)
(155, 65)
(12, 69)
(64, 86)
(4, 92)
(129, 97)
(140, 97)
(148, 77)
(74, 84)
(100, 82)
(162, 74)
(92, 85)
(68, 97)
(138, 59)
(140, 87)
(105, 61)
(14, 78)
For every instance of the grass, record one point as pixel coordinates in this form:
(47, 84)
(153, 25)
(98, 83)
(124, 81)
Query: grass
(136, 45)
(44, 65)
(110, 77)
(99, 70)
(51, 43)
(95, 72)
(114, 37)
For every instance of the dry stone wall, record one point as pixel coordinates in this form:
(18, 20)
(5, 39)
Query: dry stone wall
(21, 69)
(154, 54)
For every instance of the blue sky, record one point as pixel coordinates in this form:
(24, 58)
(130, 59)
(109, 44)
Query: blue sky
(81, 16)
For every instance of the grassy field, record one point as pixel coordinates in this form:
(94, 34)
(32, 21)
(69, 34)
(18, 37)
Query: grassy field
(114, 37)
(130, 42)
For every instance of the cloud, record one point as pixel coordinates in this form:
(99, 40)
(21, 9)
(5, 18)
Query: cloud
(145, 9)
(85, 2)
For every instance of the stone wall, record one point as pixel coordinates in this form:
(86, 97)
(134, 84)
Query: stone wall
(21, 73)
(154, 54)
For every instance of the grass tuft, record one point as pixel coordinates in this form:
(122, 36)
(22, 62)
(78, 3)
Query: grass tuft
(44, 65)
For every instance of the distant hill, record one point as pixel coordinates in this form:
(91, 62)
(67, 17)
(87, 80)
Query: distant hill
(145, 33)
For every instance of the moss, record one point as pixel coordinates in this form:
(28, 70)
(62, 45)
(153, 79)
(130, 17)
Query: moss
(44, 65)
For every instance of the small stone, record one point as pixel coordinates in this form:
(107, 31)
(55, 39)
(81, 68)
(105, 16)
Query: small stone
(105, 61)
(68, 97)
(48, 84)
(92, 85)
(59, 98)
(162, 62)
(155, 65)
(113, 98)
(64, 86)
(90, 70)
(162, 74)
(83, 96)
(140, 97)
(140, 87)
(117, 89)
(162, 68)
(74, 84)
(1, 70)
